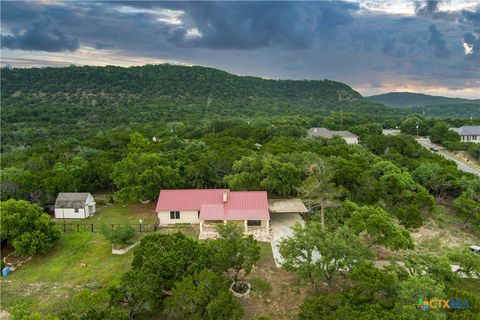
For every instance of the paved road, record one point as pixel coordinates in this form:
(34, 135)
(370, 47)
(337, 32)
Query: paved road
(281, 224)
(461, 165)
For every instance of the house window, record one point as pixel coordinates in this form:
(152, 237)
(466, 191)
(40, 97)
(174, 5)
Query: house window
(174, 214)
(254, 223)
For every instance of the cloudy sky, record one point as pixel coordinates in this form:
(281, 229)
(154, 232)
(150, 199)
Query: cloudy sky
(375, 46)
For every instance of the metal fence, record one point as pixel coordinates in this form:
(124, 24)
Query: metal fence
(93, 227)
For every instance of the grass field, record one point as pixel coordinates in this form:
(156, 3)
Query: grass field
(119, 214)
(47, 282)
(76, 272)
(57, 280)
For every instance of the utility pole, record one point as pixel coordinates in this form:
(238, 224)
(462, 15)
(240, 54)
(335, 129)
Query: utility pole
(417, 129)
(341, 110)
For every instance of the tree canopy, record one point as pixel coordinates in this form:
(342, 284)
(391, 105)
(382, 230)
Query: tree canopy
(27, 227)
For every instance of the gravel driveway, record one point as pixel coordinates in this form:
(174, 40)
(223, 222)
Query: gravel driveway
(280, 223)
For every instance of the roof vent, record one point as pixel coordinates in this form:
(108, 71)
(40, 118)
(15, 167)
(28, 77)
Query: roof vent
(225, 196)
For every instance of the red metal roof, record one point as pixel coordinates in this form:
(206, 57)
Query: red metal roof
(188, 199)
(241, 205)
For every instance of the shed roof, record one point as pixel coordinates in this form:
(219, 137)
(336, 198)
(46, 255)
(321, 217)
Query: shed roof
(287, 206)
(71, 199)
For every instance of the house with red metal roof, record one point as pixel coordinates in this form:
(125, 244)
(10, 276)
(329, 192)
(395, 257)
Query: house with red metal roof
(207, 207)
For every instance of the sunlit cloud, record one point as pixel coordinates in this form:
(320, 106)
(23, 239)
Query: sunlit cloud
(83, 56)
(193, 33)
(468, 48)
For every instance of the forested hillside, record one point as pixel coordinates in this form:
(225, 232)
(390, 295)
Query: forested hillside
(409, 99)
(76, 101)
(452, 111)
(168, 80)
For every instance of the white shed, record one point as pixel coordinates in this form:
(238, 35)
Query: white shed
(74, 205)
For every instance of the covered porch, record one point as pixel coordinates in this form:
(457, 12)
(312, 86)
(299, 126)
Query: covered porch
(259, 229)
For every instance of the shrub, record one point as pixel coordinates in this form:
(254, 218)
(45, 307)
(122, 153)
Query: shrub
(121, 235)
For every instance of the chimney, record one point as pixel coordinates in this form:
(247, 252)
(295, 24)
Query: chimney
(225, 196)
(315, 130)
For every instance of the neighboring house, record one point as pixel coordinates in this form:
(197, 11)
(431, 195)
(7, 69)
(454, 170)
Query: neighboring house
(468, 133)
(349, 137)
(210, 206)
(74, 205)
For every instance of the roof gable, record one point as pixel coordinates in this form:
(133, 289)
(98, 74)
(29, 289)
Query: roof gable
(72, 199)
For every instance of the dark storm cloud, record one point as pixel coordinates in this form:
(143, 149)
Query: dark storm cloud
(473, 17)
(43, 35)
(222, 25)
(427, 8)
(437, 43)
(247, 25)
(430, 9)
(275, 39)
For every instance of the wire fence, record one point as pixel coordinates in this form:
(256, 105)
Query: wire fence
(93, 227)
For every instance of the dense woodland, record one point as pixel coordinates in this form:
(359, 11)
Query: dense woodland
(134, 131)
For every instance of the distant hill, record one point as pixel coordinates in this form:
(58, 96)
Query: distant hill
(169, 91)
(410, 100)
(452, 111)
(79, 101)
(169, 80)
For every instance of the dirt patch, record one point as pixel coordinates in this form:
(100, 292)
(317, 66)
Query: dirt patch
(143, 211)
(430, 236)
(382, 253)
(283, 299)
(465, 157)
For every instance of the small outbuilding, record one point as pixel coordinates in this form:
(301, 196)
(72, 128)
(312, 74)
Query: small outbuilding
(74, 205)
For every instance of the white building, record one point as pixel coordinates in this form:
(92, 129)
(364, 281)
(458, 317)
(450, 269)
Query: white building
(74, 205)
(468, 133)
(349, 137)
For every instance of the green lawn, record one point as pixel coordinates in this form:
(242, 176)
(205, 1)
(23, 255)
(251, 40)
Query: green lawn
(266, 255)
(119, 214)
(49, 281)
